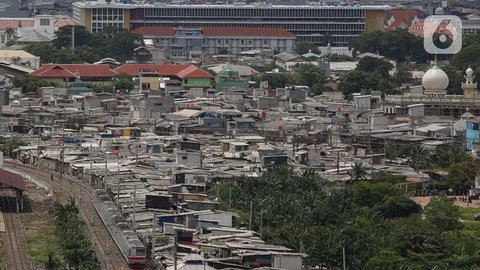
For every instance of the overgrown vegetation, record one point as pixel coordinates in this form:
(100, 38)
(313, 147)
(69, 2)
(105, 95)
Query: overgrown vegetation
(117, 43)
(30, 84)
(306, 75)
(379, 226)
(450, 158)
(76, 245)
(42, 243)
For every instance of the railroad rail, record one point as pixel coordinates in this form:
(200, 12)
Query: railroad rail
(16, 258)
(110, 256)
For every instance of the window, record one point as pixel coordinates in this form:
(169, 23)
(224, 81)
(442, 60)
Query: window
(44, 22)
(184, 157)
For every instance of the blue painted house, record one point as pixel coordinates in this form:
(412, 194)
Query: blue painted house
(472, 133)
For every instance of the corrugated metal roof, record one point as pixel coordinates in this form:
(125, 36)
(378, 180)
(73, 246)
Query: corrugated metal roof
(12, 179)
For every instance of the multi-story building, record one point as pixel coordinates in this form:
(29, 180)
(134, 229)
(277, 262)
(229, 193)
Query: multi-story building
(310, 23)
(38, 29)
(185, 43)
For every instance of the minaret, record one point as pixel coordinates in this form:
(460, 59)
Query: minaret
(469, 87)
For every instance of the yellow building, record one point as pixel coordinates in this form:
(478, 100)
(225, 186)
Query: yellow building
(96, 15)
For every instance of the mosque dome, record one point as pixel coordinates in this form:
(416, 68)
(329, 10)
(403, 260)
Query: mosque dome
(435, 79)
(439, 11)
(469, 71)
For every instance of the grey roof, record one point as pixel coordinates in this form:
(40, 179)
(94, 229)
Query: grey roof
(285, 56)
(32, 36)
(242, 70)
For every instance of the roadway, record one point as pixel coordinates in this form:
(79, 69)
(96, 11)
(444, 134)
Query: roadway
(108, 254)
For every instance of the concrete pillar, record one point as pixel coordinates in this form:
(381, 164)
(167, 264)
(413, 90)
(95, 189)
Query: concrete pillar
(21, 201)
(16, 201)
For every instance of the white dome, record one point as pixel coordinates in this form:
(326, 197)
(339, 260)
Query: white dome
(469, 71)
(435, 79)
(439, 11)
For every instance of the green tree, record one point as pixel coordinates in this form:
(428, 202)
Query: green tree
(46, 52)
(118, 42)
(63, 36)
(461, 176)
(469, 55)
(123, 82)
(357, 81)
(454, 80)
(11, 35)
(403, 74)
(388, 260)
(311, 76)
(470, 39)
(358, 172)
(450, 153)
(276, 79)
(372, 64)
(76, 246)
(417, 157)
(398, 45)
(443, 214)
(305, 47)
(52, 262)
(30, 84)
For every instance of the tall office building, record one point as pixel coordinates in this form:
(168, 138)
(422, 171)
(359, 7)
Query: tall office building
(312, 23)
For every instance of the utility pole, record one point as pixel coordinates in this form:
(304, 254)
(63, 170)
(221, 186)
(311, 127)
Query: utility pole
(134, 206)
(344, 259)
(175, 251)
(230, 197)
(38, 157)
(106, 171)
(153, 234)
(136, 153)
(63, 157)
(91, 165)
(250, 219)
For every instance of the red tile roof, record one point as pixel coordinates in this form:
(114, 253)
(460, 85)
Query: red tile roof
(404, 17)
(71, 70)
(421, 29)
(154, 31)
(217, 31)
(16, 23)
(180, 71)
(59, 22)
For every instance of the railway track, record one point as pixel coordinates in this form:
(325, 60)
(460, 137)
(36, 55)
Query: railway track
(16, 258)
(108, 253)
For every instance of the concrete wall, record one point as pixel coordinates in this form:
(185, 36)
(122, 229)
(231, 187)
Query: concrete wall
(265, 103)
(223, 218)
(191, 159)
(287, 262)
(196, 82)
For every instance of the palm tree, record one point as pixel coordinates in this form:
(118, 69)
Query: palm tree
(10, 32)
(358, 172)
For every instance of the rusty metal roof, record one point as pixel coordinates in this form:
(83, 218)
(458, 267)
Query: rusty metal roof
(12, 179)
